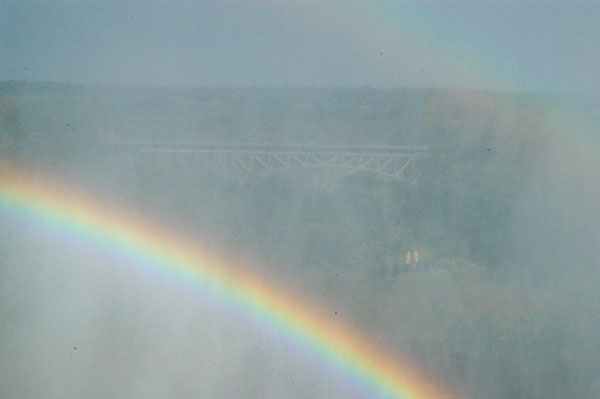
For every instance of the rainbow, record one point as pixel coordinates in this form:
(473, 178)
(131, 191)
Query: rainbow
(179, 259)
(407, 46)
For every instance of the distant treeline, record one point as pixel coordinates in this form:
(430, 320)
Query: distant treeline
(39, 111)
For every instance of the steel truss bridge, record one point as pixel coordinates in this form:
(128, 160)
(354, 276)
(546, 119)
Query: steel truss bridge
(392, 162)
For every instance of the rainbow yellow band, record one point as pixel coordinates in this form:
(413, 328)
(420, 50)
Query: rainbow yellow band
(181, 259)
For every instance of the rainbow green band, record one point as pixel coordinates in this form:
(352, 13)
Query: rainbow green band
(181, 260)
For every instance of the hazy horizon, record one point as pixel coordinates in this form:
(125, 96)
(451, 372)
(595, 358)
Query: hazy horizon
(496, 45)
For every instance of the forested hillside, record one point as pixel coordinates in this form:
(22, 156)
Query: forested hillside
(486, 309)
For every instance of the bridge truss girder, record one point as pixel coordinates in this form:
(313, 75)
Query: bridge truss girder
(400, 166)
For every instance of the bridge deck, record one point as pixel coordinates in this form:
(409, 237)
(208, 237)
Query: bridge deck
(148, 145)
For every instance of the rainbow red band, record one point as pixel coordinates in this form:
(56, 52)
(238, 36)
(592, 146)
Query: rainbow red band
(181, 260)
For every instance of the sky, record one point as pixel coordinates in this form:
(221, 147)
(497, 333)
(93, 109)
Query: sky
(507, 45)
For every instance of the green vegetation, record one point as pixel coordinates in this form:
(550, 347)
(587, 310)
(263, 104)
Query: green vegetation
(459, 312)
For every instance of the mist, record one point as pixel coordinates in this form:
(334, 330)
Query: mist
(430, 189)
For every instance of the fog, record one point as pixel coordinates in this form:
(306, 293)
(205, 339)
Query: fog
(311, 146)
